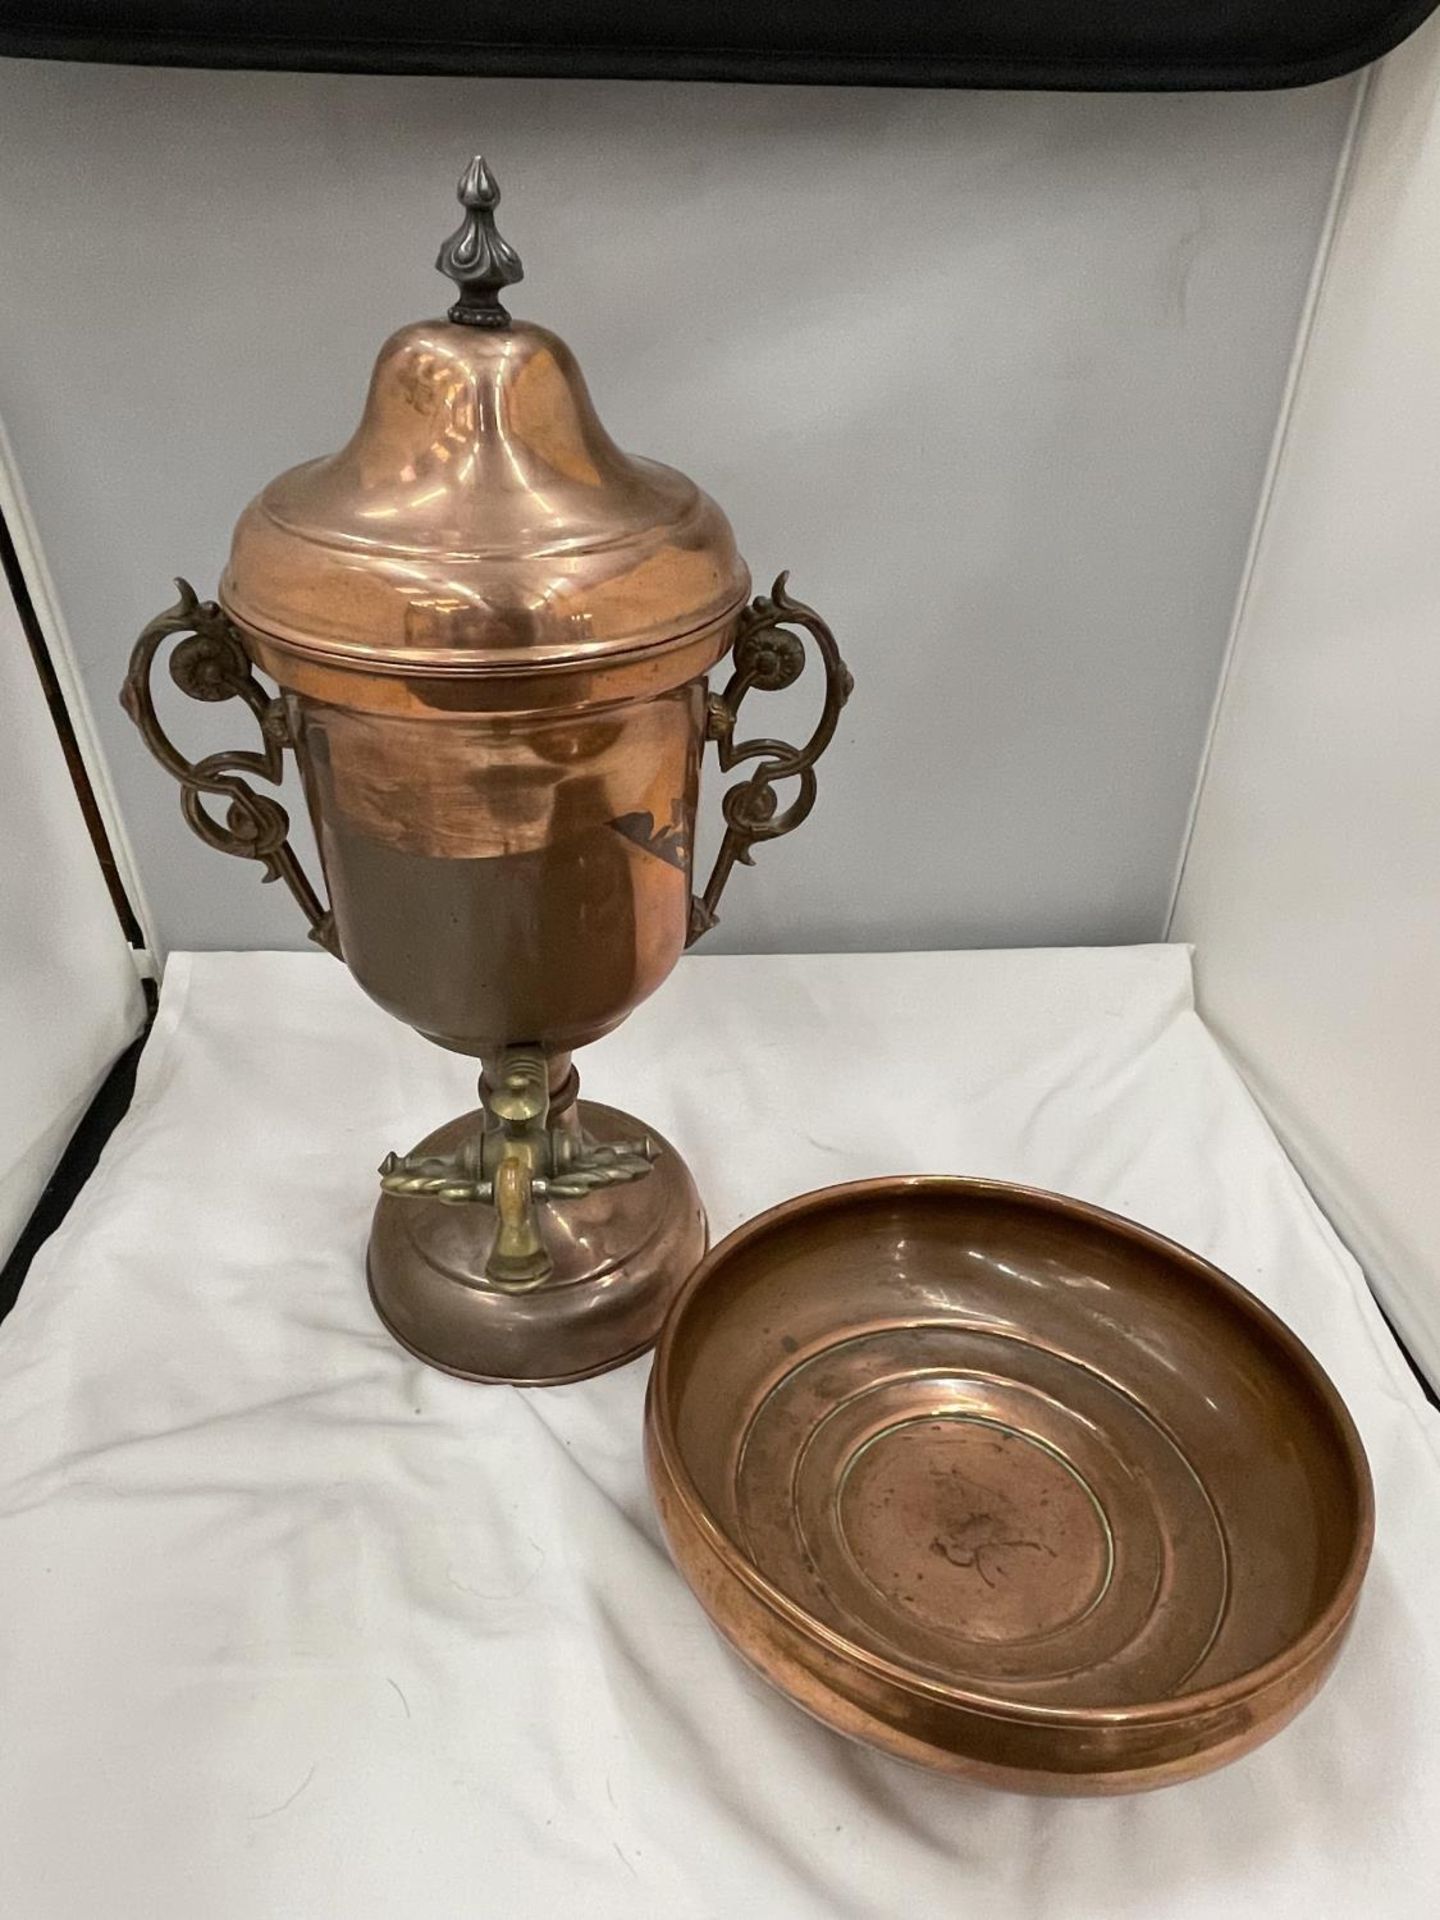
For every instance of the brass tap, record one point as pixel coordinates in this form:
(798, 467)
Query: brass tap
(516, 1161)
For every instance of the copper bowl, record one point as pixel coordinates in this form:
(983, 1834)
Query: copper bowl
(1007, 1485)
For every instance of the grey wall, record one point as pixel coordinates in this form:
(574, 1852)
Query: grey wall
(994, 375)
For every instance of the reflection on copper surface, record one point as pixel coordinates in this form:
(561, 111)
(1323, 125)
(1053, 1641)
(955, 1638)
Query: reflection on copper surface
(480, 508)
(1053, 1505)
(492, 631)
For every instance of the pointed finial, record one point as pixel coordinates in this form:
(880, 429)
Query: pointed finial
(475, 257)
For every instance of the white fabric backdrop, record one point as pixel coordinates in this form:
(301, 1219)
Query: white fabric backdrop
(291, 1626)
(70, 996)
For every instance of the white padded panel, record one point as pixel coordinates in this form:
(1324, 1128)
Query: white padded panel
(1312, 888)
(70, 996)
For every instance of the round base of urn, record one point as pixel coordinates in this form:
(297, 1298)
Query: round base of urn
(618, 1256)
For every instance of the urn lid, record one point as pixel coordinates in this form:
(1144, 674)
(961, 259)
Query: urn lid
(480, 520)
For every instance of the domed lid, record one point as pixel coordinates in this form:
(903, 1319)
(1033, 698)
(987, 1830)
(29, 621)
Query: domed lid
(481, 519)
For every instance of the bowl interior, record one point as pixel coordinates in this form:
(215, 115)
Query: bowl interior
(1013, 1445)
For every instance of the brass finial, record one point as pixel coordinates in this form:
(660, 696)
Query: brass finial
(475, 257)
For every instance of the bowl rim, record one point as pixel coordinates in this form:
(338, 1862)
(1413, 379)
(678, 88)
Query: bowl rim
(1329, 1624)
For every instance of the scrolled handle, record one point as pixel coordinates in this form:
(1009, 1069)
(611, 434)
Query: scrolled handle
(210, 663)
(767, 656)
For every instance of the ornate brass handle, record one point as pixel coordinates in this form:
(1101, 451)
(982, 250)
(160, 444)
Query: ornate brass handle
(768, 657)
(211, 664)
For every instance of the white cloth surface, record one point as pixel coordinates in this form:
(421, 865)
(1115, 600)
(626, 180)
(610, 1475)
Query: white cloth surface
(291, 1625)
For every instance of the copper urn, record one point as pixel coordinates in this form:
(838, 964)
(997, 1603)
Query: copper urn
(493, 632)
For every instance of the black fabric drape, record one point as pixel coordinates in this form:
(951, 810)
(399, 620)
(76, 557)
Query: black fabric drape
(1094, 44)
